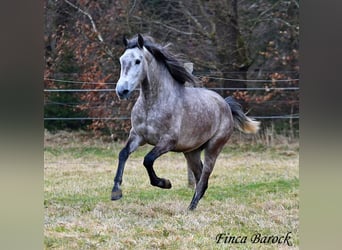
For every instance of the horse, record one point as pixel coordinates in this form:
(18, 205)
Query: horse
(172, 117)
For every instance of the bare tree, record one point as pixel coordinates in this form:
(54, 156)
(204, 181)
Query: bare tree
(208, 32)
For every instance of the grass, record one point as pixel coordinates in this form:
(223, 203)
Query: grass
(253, 189)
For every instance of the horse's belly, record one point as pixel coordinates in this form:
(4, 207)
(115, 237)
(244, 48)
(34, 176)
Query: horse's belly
(189, 143)
(188, 147)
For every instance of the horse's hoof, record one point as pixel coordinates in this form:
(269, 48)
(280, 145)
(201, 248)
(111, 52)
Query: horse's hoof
(191, 208)
(193, 205)
(166, 184)
(116, 195)
(162, 183)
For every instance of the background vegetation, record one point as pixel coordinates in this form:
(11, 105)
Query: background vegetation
(225, 39)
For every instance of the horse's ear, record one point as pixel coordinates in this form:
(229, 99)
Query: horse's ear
(125, 41)
(140, 41)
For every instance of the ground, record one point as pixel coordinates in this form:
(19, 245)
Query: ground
(253, 189)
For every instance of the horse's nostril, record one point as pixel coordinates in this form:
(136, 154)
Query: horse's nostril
(123, 94)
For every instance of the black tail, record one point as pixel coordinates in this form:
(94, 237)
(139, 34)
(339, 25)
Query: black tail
(241, 121)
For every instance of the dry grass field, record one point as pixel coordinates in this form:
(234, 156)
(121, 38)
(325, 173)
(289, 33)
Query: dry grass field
(253, 189)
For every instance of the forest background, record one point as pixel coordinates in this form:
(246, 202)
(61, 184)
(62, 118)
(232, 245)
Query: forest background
(247, 49)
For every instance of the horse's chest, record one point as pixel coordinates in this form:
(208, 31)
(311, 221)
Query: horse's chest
(151, 126)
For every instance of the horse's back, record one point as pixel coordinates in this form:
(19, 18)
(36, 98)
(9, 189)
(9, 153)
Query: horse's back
(207, 102)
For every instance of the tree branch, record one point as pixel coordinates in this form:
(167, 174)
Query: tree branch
(98, 34)
(210, 20)
(166, 26)
(90, 18)
(296, 3)
(194, 19)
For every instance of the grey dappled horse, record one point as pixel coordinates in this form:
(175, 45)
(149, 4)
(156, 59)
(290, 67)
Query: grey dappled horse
(172, 117)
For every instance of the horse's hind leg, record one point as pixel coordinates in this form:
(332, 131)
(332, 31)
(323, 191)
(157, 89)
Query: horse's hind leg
(164, 146)
(134, 141)
(194, 163)
(211, 153)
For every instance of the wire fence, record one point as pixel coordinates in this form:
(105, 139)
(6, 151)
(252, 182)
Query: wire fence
(203, 76)
(113, 90)
(265, 88)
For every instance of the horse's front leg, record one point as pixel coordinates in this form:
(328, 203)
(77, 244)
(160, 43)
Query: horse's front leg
(133, 142)
(164, 145)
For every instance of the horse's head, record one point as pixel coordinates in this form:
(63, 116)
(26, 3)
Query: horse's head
(133, 67)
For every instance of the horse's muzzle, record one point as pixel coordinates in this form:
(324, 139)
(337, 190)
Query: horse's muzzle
(123, 94)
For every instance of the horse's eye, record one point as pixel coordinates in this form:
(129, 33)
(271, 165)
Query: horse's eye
(137, 61)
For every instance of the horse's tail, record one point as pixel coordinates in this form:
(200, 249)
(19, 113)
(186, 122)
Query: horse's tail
(241, 121)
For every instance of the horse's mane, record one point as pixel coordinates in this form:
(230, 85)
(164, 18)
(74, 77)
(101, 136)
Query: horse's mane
(161, 53)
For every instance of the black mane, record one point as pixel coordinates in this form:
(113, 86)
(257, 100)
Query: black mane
(163, 55)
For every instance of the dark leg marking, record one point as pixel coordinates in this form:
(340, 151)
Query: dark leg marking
(154, 179)
(133, 143)
(123, 156)
(164, 145)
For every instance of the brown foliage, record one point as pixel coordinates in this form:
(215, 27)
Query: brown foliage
(226, 39)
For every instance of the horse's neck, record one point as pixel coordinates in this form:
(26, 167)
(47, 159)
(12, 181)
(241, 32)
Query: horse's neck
(158, 85)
